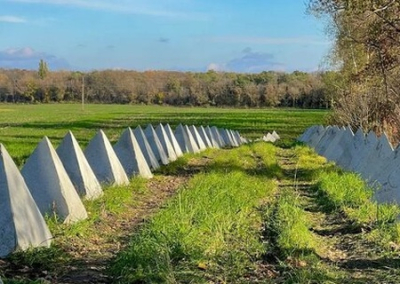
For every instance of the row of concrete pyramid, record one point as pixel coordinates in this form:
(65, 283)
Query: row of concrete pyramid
(52, 181)
(270, 137)
(371, 156)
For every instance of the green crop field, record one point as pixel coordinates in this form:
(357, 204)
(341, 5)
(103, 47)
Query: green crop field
(23, 126)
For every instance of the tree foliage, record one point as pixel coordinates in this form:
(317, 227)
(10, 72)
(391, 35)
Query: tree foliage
(267, 89)
(366, 91)
(43, 69)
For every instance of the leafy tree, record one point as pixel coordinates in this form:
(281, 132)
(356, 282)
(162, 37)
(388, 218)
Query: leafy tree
(43, 69)
(366, 52)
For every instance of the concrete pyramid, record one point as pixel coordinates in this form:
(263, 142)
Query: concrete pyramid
(51, 186)
(388, 160)
(197, 138)
(146, 149)
(21, 224)
(234, 138)
(78, 168)
(305, 137)
(155, 145)
(231, 138)
(342, 154)
(314, 138)
(269, 138)
(326, 139)
(211, 137)
(166, 143)
(371, 170)
(172, 139)
(185, 139)
(350, 156)
(130, 155)
(204, 137)
(333, 146)
(104, 162)
(277, 137)
(238, 137)
(389, 180)
(370, 144)
(224, 135)
(217, 136)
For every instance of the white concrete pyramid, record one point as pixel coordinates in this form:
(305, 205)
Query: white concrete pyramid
(51, 186)
(370, 144)
(155, 145)
(332, 147)
(371, 170)
(204, 137)
(238, 137)
(356, 148)
(104, 162)
(342, 154)
(197, 138)
(166, 143)
(233, 137)
(225, 137)
(185, 139)
(172, 139)
(217, 136)
(78, 168)
(277, 137)
(305, 137)
(130, 155)
(389, 180)
(146, 149)
(21, 224)
(211, 137)
(326, 139)
(230, 138)
(269, 138)
(314, 139)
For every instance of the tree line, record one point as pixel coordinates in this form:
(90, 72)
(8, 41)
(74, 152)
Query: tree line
(366, 53)
(266, 89)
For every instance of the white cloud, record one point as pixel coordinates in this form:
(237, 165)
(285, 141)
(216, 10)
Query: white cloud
(249, 62)
(216, 67)
(28, 58)
(12, 19)
(149, 8)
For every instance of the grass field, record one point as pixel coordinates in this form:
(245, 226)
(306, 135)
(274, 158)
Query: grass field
(260, 213)
(23, 126)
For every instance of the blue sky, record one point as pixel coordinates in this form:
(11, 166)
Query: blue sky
(185, 35)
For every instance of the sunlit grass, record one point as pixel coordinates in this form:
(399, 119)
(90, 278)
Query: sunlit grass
(211, 230)
(23, 126)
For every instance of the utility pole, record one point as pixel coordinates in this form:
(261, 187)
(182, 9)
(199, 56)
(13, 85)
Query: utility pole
(83, 91)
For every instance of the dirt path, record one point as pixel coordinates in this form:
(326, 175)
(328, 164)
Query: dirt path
(341, 245)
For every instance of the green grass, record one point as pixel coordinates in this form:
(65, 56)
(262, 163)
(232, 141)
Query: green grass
(23, 126)
(348, 192)
(340, 191)
(210, 232)
(291, 225)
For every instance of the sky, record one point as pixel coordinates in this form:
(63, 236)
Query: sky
(247, 36)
